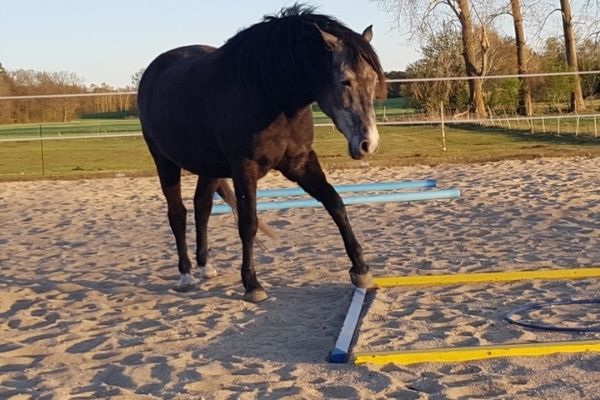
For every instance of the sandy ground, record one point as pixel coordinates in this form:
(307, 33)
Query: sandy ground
(87, 310)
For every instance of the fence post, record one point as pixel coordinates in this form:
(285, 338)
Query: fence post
(506, 117)
(42, 151)
(491, 116)
(544, 125)
(443, 127)
(558, 126)
(531, 125)
(577, 126)
(595, 129)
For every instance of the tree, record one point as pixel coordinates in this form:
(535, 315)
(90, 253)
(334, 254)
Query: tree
(426, 15)
(441, 58)
(394, 89)
(576, 98)
(6, 89)
(137, 77)
(463, 12)
(553, 89)
(588, 59)
(524, 107)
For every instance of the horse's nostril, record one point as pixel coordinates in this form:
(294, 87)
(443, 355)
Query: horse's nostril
(364, 147)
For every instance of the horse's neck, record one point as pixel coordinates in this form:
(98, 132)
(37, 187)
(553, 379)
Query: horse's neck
(253, 89)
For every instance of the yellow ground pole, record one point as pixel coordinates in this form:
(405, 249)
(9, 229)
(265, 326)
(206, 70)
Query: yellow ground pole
(457, 279)
(459, 354)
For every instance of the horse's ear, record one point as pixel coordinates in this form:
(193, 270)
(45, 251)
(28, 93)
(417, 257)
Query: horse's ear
(331, 41)
(368, 33)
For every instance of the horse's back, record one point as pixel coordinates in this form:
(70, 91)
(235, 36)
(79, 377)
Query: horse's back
(174, 59)
(169, 107)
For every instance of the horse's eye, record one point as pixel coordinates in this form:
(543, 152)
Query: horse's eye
(346, 82)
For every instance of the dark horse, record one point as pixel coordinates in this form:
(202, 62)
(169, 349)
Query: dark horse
(244, 108)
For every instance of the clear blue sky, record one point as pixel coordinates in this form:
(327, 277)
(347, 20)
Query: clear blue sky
(109, 40)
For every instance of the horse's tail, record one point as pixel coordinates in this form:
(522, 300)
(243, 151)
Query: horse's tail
(226, 192)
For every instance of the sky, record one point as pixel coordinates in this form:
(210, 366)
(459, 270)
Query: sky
(109, 40)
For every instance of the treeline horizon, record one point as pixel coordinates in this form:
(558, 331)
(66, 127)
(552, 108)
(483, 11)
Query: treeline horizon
(28, 82)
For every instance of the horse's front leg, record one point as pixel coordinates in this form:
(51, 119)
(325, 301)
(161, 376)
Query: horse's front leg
(306, 171)
(244, 181)
(203, 202)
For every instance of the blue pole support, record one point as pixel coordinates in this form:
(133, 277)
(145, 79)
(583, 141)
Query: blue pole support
(375, 198)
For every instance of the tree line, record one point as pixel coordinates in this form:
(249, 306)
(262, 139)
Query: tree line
(29, 82)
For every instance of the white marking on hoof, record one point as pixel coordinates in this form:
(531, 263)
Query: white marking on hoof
(186, 281)
(208, 271)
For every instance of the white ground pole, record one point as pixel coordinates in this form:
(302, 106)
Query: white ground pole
(340, 352)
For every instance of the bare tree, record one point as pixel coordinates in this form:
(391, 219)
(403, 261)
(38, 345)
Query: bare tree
(425, 15)
(136, 78)
(524, 107)
(576, 101)
(6, 89)
(462, 10)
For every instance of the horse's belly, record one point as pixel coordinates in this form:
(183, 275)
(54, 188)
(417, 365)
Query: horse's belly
(203, 163)
(210, 170)
(201, 157)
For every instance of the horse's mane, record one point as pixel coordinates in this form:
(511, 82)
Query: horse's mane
(286, 51)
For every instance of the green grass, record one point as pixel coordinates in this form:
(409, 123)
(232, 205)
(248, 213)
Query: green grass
(393, 107)
(400, 146)
(85, 127)
(74, 158)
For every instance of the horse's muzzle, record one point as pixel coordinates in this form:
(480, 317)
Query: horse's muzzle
(364, 147)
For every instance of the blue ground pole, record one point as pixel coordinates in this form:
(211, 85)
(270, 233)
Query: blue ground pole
(356, 188)
(364, 199)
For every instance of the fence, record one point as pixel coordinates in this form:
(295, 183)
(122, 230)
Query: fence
(442, 117)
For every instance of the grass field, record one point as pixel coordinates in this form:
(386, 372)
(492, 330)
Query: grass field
(78, 127)
(79, 158)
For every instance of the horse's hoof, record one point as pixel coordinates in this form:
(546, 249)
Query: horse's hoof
(186, 284)
(256, 295)
(208, 271)
(186, 289)
(363, 281)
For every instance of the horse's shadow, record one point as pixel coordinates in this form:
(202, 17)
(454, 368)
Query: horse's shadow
(295, 325)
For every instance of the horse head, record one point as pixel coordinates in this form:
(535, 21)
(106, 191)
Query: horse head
(356, 78)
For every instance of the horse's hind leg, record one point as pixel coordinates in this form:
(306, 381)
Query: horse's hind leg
(170, 177)
(307, 172)
(203, 201)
